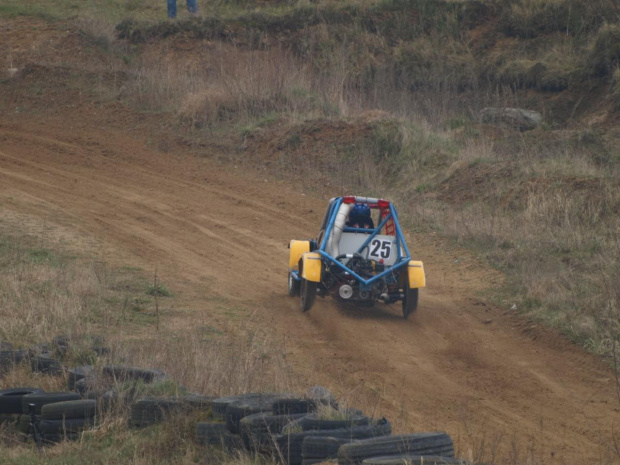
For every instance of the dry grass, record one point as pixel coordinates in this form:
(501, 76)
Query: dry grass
(44, 292)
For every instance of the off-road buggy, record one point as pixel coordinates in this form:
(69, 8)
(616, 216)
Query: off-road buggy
(356, 258)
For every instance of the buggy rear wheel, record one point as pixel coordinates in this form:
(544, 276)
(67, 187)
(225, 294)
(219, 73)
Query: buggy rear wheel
(307, 294)
(410, 300)
(293, 285)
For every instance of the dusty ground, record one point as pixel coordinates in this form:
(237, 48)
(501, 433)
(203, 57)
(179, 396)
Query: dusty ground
(90, 173)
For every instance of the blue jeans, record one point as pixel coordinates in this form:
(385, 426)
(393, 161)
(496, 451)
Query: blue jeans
(192, 7)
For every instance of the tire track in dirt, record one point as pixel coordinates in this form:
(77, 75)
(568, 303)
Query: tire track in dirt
(199, 223)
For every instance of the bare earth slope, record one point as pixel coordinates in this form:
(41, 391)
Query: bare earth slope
(459, 365)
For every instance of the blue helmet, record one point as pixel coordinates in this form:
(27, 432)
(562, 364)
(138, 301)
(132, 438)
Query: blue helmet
(360, 209)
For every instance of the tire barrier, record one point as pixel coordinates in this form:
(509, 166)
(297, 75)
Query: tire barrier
(239, 409)
(296, 430)
(420, 444)
(413, 460)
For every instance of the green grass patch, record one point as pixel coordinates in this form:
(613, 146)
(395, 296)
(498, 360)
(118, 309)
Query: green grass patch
(158, 290)
(46, 291)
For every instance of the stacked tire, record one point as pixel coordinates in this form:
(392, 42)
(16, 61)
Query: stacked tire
(147, 411)
(58, 415)
(11, 403)
(292, 449)
(408, 446)
(67, 419)
(259, 430)
(250, 421)
(294, 433)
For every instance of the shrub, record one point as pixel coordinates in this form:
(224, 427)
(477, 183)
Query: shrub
(605, 53)
(531, 18)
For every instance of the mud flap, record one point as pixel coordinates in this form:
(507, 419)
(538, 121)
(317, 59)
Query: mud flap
(311, 267)
(415, 274)
(298, 248)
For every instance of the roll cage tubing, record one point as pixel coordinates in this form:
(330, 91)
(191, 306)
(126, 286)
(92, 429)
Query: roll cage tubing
(401, 260)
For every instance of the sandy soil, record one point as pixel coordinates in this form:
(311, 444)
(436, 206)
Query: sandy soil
(91, 175)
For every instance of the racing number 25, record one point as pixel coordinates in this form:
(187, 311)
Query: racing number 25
(380, 248)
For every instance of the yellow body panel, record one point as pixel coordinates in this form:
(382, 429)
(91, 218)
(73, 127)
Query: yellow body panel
(415, 272)
(311, 267)
(298, 248)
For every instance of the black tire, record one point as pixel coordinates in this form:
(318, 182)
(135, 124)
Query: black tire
(259, 430)
(320, 447)
(232, 442)
(60, 437)
(77, 373)
(150, 410)
(293, 285)
(239, 409)
(410, 301)
(289, 448)
(101, 351)
(293, 427)
(293, 406)
(290, 444)
(380, 428)
(413, 460)
(124, 373)
(307, 294)
(219, 405)
(69, 410)
(60, 427)
(196, 402)
(106, 400)
(313, 422)
(431, 444)
(209, 434)
(44, 398)
(46, 364)
(85, 385)
(61, 344)
(11, 399)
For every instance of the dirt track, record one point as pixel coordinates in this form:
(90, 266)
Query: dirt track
(459, 365)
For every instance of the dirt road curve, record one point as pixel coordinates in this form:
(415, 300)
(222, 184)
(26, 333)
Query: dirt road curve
(458, 365)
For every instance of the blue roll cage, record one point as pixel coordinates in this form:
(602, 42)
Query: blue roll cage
(403, 256)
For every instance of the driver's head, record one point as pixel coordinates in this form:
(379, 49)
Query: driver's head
(360, 216)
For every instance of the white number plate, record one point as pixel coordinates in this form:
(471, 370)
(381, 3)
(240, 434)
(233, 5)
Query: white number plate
(380, 249)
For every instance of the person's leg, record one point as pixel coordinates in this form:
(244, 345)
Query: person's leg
(172, 8)
(192, 6)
